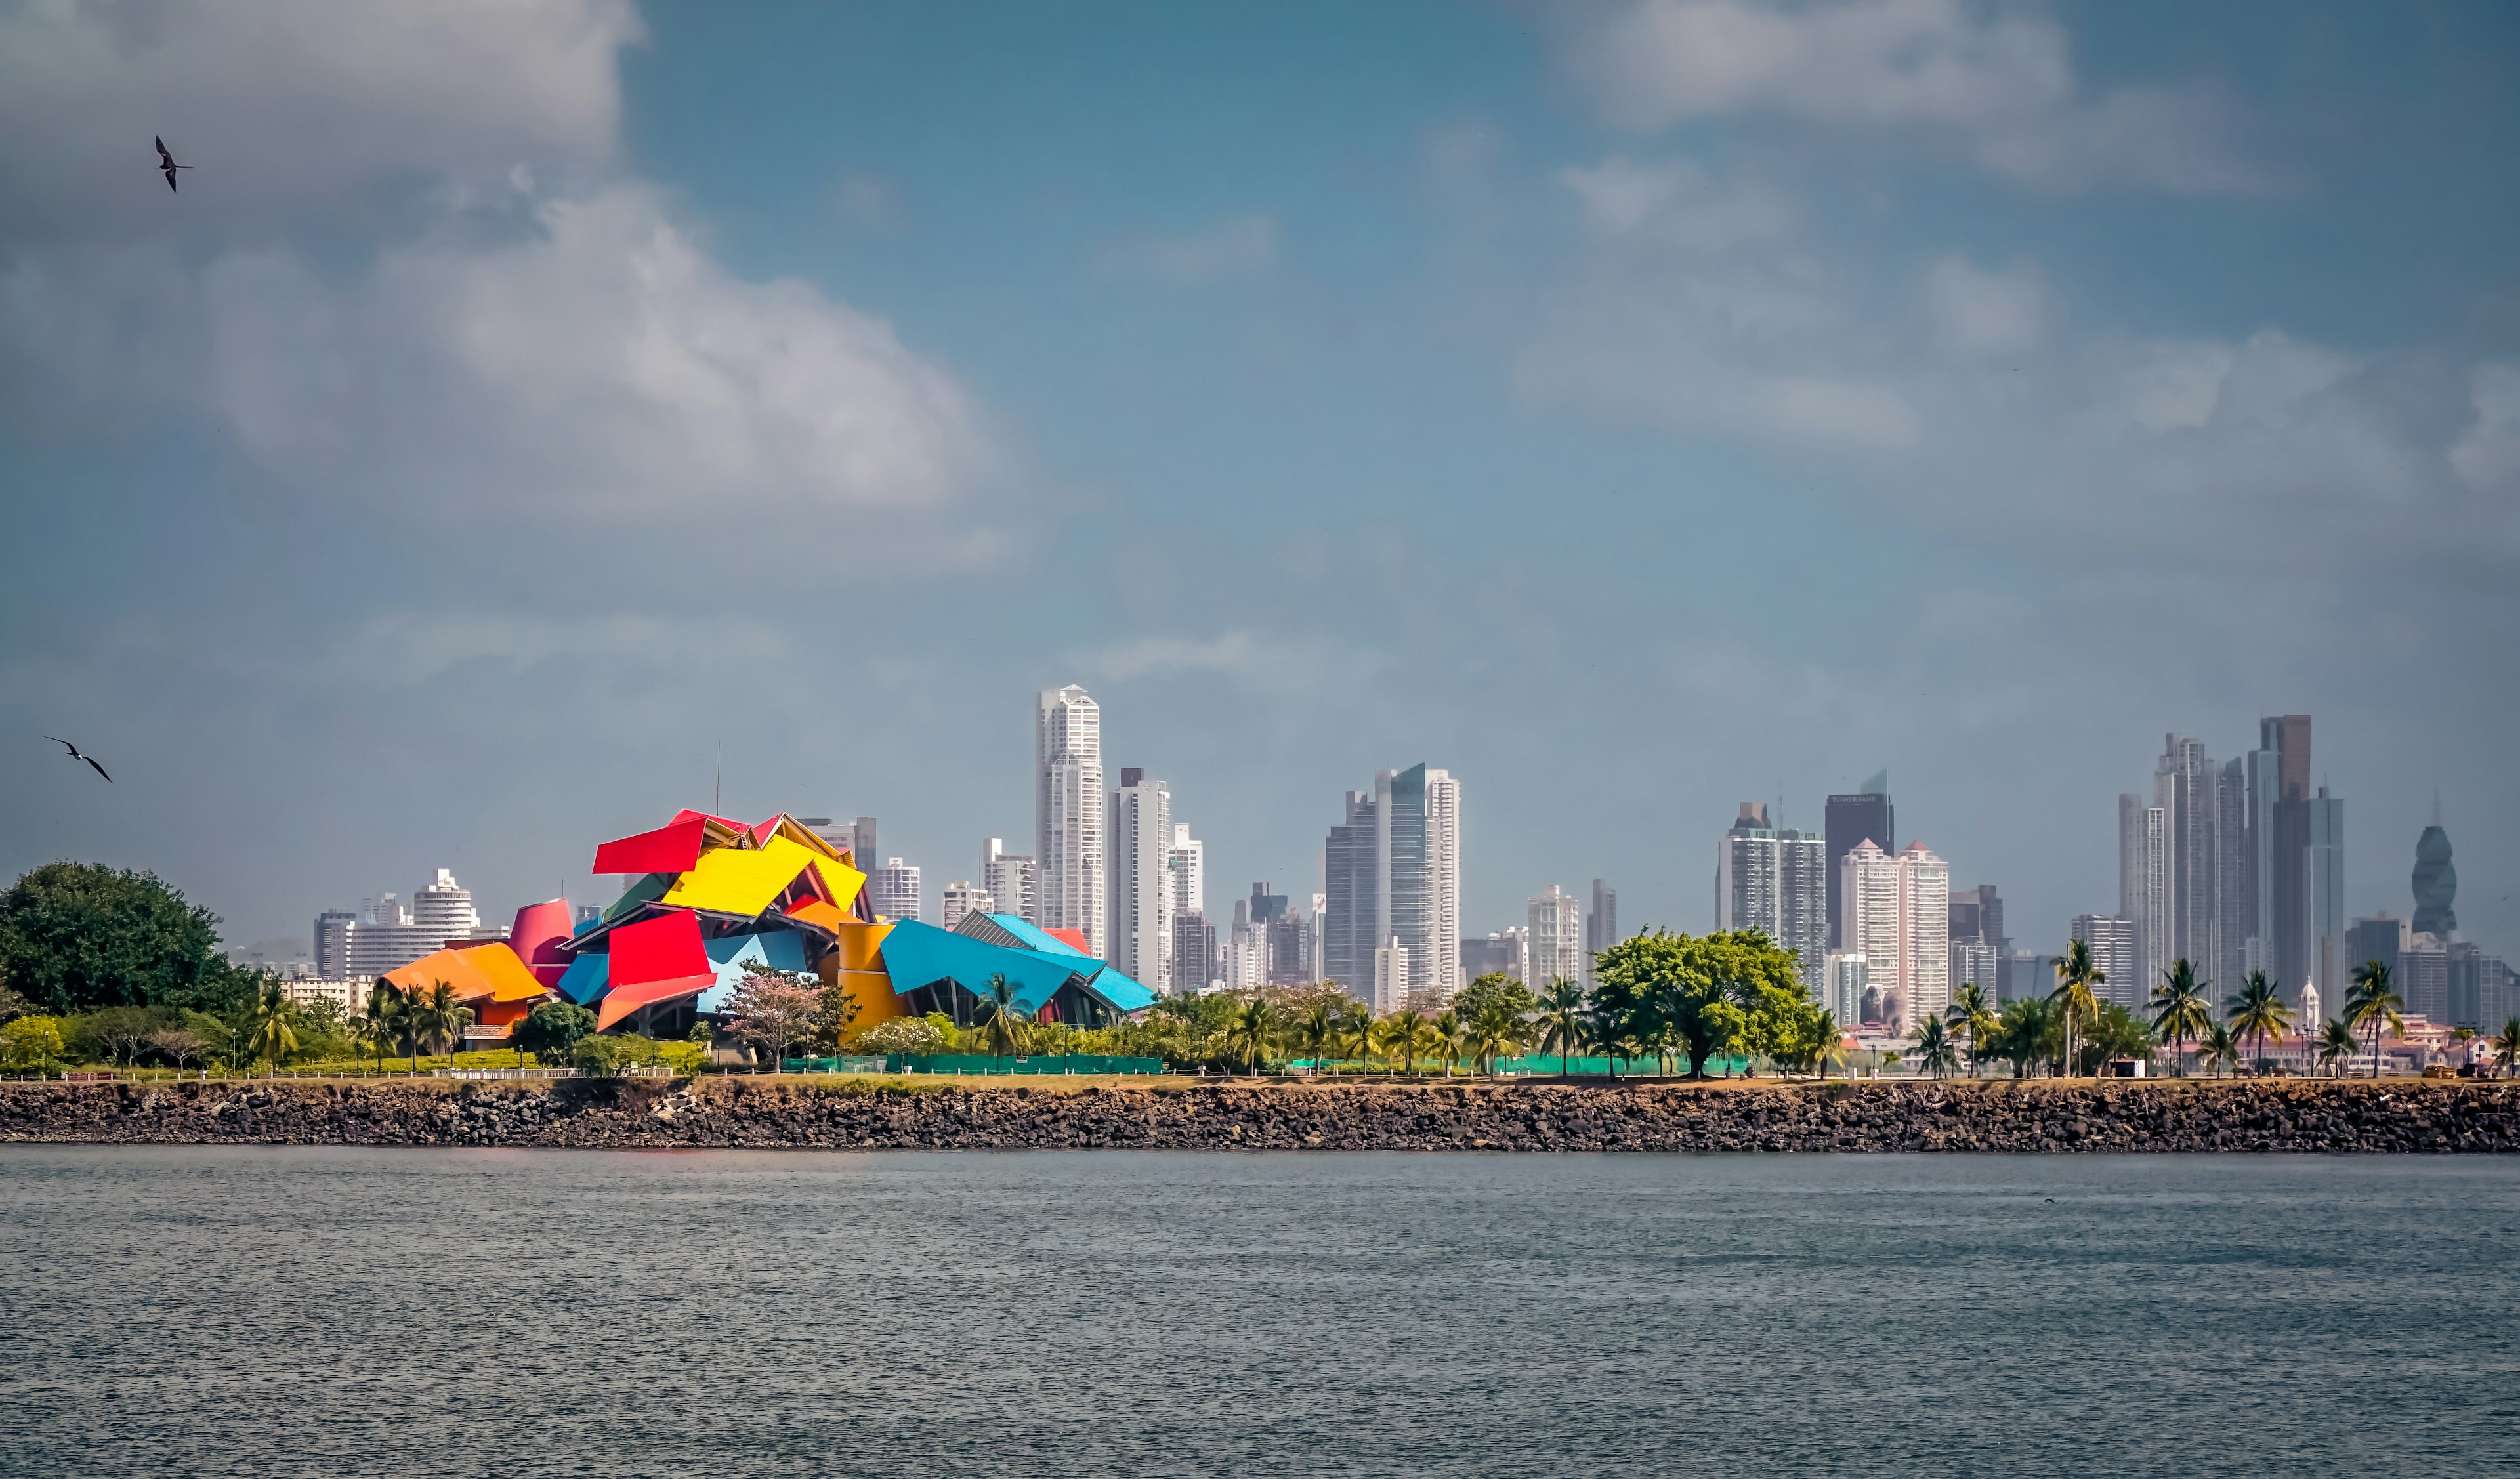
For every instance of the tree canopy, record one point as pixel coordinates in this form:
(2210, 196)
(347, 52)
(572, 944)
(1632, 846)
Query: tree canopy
(74, 936)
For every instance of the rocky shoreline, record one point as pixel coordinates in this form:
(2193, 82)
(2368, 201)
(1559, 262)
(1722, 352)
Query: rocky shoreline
(636, 1114)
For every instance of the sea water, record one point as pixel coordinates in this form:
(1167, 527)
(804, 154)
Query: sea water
(328, 1312)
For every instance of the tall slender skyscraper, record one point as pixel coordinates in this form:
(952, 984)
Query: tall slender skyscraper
(2436, 884)
(1139, 830)
(2186, 787)
(1854, 817)
(1392, 871)
(2285, 881)
(1774, 880)
(1600, 929)
(1189, 863)
(1899, 913)
(2329, 963)
(2111, 938)
(1068, 815)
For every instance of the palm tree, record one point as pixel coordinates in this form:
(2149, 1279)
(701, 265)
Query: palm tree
(2507, 1043)
(999, 1018)
(1319, 1029)
(1833, 1047)
(1971, 1015)
(1451, 1041)
(2371, 1003)
(1935, 1052)
(2335, 1045)
(437, 1018)
(272, 1038)
(1252, 1031)
(1497, 1030)
(1562, 1021)
(2256, 1010)
(1403, 1033)
(402, 1023)
(2216, 1048)
(2076, 975)
(2180, 1010)
(1358, 1043)
(2465, 1038)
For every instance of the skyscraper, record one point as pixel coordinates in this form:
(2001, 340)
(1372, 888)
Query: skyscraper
(1978, 948)
(1898, 918)
(1601, 929)
(2111, 938)
(2143, 882)
(1774, 880)
(2186, 787)
(962, 897)
(1068, 815)
(1854, 817)
(1189, 864)
(2436, 883)
(333, 930)
(893, 891)
(1502, 952)
(1013, 880)
(2283, 885)
(1392, 870)
(1193, 955)
(1139, 830)
(2325, 875)
(2382, 939)
(1555, 921)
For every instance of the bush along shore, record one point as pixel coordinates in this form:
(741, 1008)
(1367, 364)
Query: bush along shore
(2398, 1115)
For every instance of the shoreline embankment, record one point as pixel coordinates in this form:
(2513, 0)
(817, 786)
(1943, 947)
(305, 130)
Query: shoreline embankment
(2035, 1117)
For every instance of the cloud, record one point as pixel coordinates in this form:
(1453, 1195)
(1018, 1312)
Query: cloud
(1243, 246)
(399, 648)
(521, 333)
(1978, 312)
(1998, 77)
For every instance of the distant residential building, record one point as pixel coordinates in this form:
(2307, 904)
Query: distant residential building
(348, 994)
(1977, 914)
(1392, 870)
(2111, 938)
(385, 936)
(1068, 815)
(1390, 977)
(2422, 977)
(2477, 988)
(893, 891)
(1244, 951)
(2144, 884)
(1898, 916)
(1189, 864)
(1775, 881)
(1013, 879)
(1140, 832)
(332, 929)
(1194, 965)
(856, 838)
(1557, 922)
(1846, 980)
(1601, 930)
(962, 897)
(1294, 949)
(1972, 963)
(445, 907)
(2283, 880)
(2382, 939)
(2324, 866)
(1852, 818)
(1504, 950)
(2026, 973)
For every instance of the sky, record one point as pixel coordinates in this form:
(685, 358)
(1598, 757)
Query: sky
(1635, 408)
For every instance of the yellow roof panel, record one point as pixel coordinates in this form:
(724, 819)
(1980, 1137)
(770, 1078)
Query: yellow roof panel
(739, 881)
(510, 978)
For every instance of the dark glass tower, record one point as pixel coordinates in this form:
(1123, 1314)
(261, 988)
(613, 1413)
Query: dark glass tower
(1854, 819)
(2436, 884)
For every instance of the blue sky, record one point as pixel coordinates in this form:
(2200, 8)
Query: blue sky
(1636, 408)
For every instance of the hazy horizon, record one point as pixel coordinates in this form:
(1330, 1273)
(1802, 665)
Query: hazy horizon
(1634, 409)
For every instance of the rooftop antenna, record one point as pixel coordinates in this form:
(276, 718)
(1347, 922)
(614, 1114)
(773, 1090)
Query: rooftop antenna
(2436, 806)
(717, 789)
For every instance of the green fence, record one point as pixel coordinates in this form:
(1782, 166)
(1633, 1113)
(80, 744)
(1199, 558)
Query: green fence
(871, 1063)
(973, 1064)
(1580, 1066)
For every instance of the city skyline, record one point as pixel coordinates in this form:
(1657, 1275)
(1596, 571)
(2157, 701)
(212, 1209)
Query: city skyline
(1282, 407)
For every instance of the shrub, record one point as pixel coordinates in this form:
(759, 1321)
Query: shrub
(552, 1028)
(32, 1044)
(901, 1035)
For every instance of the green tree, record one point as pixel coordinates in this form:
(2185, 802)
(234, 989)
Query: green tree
(1490, 990)
(552, 1028)
(774, 1010)
(2256, 1011)
(2029, 1030)
(1316, 1031)
(13, 1006)
(1971, 1015)
(2180, 1010)
(2335, 1045)
(1000, 1020)
(178, 1046)
(2374, 1005)
(835, 1015)
(2507, 1043)
(1451, 1039)
(2218, 1048)
(74, 936)
(1562, 1021)
(1674, 993)
(32, 1044)
(273, 1038)
(2114, 1033)
(2076, 975)
(1252, 1033)
(438, 1019)
(114, 1034)
(1936, 1053)
(1831, 1050)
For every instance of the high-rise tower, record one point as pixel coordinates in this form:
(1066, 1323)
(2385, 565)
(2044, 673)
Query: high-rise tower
(1068, 807)
(1391, 870)
(1853, 818)
(1141, 835)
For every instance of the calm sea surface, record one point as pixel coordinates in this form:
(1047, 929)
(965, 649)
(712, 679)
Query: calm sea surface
(318, 1311)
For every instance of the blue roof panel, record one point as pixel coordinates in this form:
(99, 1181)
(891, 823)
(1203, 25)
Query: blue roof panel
(587, 979)
(1034, 937)
(916, 954)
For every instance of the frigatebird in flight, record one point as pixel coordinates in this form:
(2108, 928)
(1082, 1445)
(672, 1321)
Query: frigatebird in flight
(166, 163)
(75, 755)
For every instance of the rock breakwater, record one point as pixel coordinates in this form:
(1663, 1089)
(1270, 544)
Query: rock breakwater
(597, 1114)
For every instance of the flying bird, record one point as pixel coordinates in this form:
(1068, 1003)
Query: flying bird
(166, 163)
(75, 755)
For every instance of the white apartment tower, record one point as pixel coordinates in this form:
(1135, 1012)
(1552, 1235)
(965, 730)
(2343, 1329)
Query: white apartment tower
(2144, 884)
(1898, 918)
(1556, 944)
(1189, 864)
(1013, 880)
(1390, 977)
(893, 889)
(1068, 815)
(1392, 870)
(2112, 941)
(1775, 881)
(960, 898)
(1141, 835)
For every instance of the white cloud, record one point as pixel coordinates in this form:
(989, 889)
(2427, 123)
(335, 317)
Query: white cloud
(404, 648)
(1998, 77)
(1675, 203)
(2488, 453)
(1243, 246)
(1980, 312)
